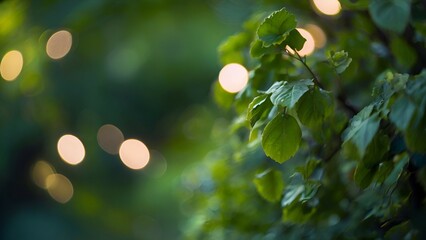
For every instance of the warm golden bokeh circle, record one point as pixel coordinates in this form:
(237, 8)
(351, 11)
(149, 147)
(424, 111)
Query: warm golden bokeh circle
(40, 172)
(11, 65)
(233, 77)
(134, 154)
(71, 149)
(59, 44)
(327, 7)
(59, 187)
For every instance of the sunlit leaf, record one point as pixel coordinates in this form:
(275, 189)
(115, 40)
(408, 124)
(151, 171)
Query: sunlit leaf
(269, 185)
(340, 61)
(288, 94)
(276, 27)
(281, 138)
(295, 40)
(274, 87)
(257, 108)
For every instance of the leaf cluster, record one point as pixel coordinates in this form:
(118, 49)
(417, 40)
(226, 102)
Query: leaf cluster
(334, 143)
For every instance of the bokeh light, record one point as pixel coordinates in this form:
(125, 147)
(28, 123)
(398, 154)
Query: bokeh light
(134, 154)
(233, 77)
(327, 7)
(11, 65)
(71, 149)
(59, 187)
(318, 34)
(110, 138)
(59, 44)
(309, 46)
(40, 172)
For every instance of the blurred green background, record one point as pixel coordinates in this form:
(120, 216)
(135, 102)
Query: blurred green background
(146, 67)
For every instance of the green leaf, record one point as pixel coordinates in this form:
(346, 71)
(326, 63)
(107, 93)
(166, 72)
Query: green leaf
(288, 94)
(270, 185)
(297, 213)
(404, 53)
(416, 89)
(340, 61)
(403, 230)
(314, 107)
(255, 130)
(391, 14)
(276, 27)
(257, 108)
(415, 134)
(364, 176)
(221, 97)
(307, 169)
(257, 49)
(385, 169)
(310, 189)
(355, 5)
(231, 51)
(401, 112)
(294, 40)
(274, 87)
(376, 151)
(400, 163)
(292, 193)
(362, 129)
(398, 81)
(281, 138)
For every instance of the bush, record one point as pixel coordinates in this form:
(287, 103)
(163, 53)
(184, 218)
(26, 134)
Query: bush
(326, 146)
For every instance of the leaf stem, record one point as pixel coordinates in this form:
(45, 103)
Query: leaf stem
(316, 80)
(342, 98)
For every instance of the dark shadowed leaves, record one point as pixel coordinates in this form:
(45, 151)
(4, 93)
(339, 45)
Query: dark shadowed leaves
(364, 176)
(376, 151)
(391, 14)
(314, 107)
(362, 129)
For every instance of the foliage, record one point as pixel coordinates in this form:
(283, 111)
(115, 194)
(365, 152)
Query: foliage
(339, 136)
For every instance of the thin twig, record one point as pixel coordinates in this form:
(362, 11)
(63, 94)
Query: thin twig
(342, 98)
(316, 80)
